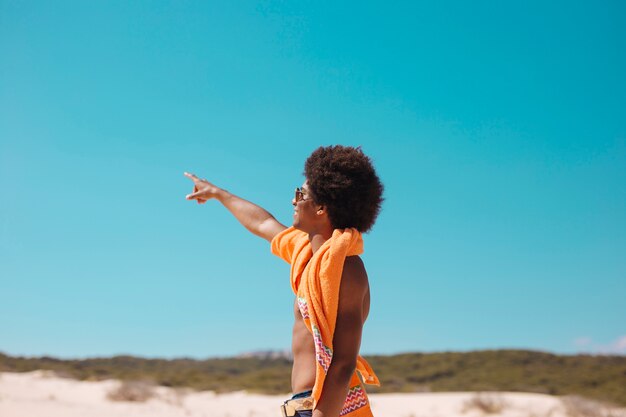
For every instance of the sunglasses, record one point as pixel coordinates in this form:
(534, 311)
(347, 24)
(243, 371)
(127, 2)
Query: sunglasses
(300, 195)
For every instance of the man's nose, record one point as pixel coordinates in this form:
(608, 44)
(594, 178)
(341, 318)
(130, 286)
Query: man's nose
(293, 202)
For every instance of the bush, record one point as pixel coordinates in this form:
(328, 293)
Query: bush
(135, 391)
(487, 403)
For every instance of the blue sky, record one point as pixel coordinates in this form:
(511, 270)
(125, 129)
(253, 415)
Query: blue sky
(499, 131)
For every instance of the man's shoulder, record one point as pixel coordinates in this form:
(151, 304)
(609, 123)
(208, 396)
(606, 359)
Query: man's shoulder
(354, 261)
(354, 271)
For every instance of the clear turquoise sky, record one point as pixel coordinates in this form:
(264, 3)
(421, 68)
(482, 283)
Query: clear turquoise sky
(498, 128)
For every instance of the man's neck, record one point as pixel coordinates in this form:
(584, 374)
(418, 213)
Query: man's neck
(318, 238)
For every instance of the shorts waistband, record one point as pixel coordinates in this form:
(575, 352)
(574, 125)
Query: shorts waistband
(302, 394)
(300, 402)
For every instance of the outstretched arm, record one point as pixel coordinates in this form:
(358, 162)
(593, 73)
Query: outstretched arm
(254, 218)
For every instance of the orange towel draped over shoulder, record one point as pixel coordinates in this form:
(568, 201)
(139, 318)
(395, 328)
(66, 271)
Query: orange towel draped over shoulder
(316, 279)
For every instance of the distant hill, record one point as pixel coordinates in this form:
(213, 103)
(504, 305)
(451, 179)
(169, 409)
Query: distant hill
(267, 354)
(598, 377)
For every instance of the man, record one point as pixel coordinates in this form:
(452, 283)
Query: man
(340, 198)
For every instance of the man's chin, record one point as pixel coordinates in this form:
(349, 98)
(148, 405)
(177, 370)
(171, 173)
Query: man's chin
(296, 224)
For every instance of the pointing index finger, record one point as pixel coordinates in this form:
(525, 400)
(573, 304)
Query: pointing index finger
(191, 176)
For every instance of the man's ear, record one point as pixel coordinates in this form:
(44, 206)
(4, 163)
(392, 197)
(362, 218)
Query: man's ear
(321, 210)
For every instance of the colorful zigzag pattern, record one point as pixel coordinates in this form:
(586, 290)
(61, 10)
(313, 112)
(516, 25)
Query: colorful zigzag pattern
(304, 308)
(323, 354)
(356, 399)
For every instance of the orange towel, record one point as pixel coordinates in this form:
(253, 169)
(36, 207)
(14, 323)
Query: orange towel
(316, 279)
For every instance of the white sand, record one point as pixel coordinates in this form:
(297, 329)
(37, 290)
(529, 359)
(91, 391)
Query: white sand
(42, 394)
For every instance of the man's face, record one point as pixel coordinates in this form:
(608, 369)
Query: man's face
(304, 210)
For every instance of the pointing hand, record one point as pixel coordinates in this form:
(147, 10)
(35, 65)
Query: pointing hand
(202, 189)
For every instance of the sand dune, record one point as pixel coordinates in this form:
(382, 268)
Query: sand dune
(43, 394)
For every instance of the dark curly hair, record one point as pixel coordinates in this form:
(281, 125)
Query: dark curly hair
(343, 179)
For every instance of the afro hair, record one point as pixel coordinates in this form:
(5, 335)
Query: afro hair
(343, 179)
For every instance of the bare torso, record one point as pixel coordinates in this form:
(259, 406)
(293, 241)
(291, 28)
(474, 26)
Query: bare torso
(303, 347)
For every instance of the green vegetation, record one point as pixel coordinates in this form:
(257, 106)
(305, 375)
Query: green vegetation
(599, 377)
(220, 375)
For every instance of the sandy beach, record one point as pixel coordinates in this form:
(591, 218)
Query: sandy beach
(44, 394)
